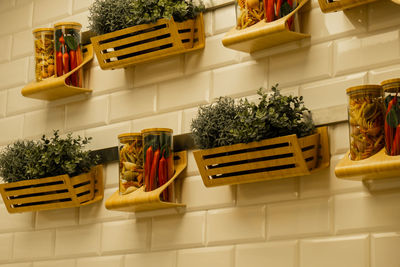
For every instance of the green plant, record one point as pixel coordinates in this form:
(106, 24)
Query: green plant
(213, 125)
(111, 15)
(226, 123)
(24, 160)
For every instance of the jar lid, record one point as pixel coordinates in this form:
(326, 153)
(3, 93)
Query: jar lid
(168, 130)
(372, 88)
(70, 24)
(43, 30)
(391, 86)
(124, 135)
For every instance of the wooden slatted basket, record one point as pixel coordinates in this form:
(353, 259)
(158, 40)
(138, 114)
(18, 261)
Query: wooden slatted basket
(327, 7)
(148, 42)
(269, 159)
(54, 192)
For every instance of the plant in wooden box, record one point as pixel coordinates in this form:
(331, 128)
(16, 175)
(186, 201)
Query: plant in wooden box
(49, 173)
(135, 31)
(247, 142)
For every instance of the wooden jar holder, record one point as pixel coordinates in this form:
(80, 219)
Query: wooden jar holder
(54, 192)
(55, 87)
(140, 200)
(263, 34)
(147, 42)
(378, 166)
(327, 7)
(269, 159)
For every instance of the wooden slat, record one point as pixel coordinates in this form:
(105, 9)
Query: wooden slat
(186, 35)
(134, 39)
(34, 190)
(248, 155)
(82, 178)
(308, 140)
(35, 181)
(251, 166)
(81, 189)
(138, 48)
(28, 200)
(85, 198)
(310, 153)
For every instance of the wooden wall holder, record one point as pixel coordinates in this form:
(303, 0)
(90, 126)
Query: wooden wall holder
(327, 7)
(264, 34)
(378, 166)
(140, 200)
(269, 159)
(55, 87)
(55, 192)
(148, 42)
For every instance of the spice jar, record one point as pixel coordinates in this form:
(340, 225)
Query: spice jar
(365, 112)
(67, 38)
(158, 159)
(130, 151)
(44, 53)
(392, 116)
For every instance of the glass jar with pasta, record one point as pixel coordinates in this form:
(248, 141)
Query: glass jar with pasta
(44, 53)
(366, 121)
(130, 150)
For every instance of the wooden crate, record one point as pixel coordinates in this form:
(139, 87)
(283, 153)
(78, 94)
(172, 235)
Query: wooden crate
(54, 192)
(269, 159)
(327, 7)
(148, 42)
(264, 34)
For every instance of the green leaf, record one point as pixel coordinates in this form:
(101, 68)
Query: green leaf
(71, 42)
(392, 118)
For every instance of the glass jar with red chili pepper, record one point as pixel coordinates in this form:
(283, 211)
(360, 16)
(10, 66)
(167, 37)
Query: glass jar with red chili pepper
(68, 51)
(392, 116)
(366, 120)
(130, 151)
(158, 160)
(44, 53)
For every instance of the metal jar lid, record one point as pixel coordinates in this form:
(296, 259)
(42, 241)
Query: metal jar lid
(391, 86)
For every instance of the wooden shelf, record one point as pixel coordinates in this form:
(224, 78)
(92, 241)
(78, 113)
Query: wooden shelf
(140, 200)
(55, 87)
(54, 192)
(263, 34)
(148, 42)
(327, 7)
(269, 159)
(378, 166)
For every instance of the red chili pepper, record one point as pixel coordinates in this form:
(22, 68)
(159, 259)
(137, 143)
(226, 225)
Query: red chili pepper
(153, 172)
(66, 65)
(269, 11)
(162, 176)
(79, 61)
(147, 168)
(396, 142)
(278, 8)
(72, 59)
(388, 129)
(59, 63)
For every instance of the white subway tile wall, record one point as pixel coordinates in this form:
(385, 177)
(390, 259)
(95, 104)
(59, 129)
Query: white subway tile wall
(310, 221)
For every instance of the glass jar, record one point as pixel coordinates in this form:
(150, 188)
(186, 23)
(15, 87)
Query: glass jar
(365, 113)
(67, 38)
(248, 13)
(130, 151)
(158, 159)
(392, 116)
(44, 53)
